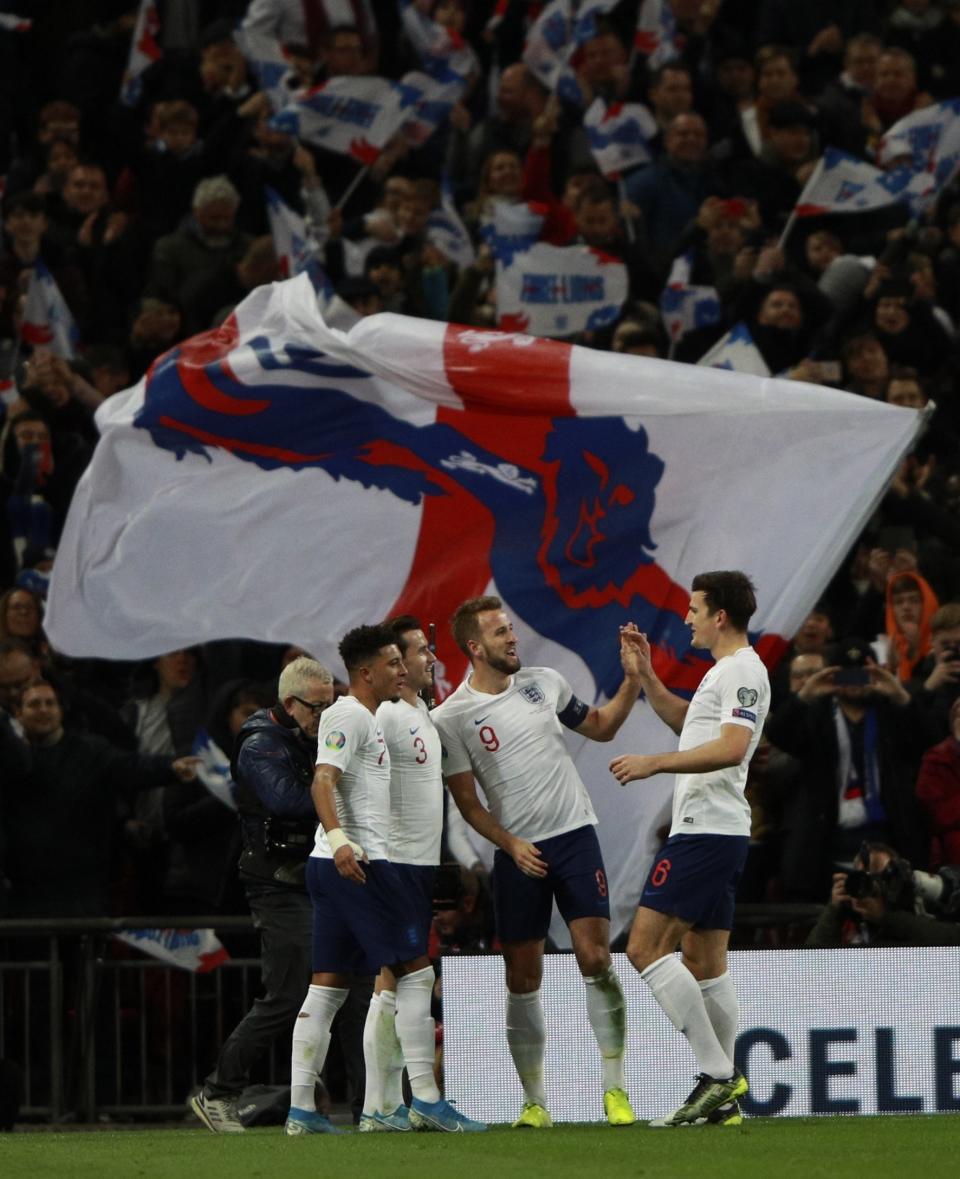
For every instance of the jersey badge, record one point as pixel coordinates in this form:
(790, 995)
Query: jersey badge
(534, 693)
(747, 697)
(335, 740)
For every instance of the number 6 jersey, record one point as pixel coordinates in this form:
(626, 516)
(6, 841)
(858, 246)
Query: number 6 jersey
(513, 744)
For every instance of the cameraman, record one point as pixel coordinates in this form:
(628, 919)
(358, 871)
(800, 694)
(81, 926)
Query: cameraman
(881, 903)
(273, 763)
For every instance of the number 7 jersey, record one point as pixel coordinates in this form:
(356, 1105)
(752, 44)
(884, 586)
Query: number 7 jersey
(513, 745)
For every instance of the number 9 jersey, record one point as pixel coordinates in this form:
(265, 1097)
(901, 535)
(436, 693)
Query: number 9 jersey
(513, 744)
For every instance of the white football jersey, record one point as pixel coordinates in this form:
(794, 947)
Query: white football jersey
(351, 739)
(735, 691)
(513, 744)
(416, 784)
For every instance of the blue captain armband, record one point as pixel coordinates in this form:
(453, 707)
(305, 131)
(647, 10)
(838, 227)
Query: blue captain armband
(574, 714)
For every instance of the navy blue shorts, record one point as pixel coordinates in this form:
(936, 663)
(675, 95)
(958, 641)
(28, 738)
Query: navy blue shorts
(695, 877)
(575, 878)
(357, 928)
(416, 881)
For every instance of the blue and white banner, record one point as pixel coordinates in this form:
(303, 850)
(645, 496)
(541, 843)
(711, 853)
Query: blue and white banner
(47, 322)
(686, 306)
(656, 36)
(440, 49)
(923, 139)
(438, 94)
(144, 51)
(266, 58)
(296, 251)
(447, 232)
(213, 769)
(554, 41)
(513, 228)
(619, 135)
(354, 116)
(408, 464)
(196, 950)
(560, 290)
(843, 183)
(736, 351)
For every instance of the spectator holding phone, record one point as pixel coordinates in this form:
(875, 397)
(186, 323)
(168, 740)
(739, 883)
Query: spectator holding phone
(935, 682)
(856, 732)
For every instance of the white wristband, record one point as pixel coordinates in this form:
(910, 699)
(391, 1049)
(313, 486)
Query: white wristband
(337, 840)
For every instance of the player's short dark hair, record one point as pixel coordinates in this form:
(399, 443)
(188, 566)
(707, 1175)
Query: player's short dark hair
(400, 627)
(464, 622)
(363, 644)
(728, 590)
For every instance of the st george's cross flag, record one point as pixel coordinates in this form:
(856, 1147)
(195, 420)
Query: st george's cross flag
(285, 481)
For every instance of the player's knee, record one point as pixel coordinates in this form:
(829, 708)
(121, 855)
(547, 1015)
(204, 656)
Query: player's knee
(592, 960)
(641, 955)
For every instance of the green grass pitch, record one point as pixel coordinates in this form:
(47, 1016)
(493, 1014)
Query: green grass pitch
(771, 1148)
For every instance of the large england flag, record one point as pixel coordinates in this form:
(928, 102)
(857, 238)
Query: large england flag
(285, 481)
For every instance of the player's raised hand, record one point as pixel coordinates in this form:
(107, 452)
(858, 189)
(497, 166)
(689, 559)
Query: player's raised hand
(527, 858)
(634, 767)
(635, 655)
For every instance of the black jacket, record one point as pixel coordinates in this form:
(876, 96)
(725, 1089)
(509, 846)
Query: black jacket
(272, 766)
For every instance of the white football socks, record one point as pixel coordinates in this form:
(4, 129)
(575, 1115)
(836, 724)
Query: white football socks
(720, 1000)
(373, 1087)
(311, 1039)
(415, 1029)
(678, 993)
(389, 1053)
(527, 1040)
(606, 1011)
(382, 1056)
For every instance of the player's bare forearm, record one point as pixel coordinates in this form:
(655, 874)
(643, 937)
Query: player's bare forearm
(603, 724)
(523, 853)
(464, 792)
(324, 800)
(729, 749)
(669, 707)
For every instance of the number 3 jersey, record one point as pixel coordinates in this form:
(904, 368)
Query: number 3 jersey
(513, 744)
(351, 739)
(416, 785)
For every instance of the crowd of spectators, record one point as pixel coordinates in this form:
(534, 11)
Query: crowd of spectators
(151, 218)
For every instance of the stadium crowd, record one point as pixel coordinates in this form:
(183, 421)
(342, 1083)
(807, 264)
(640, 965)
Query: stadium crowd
(151, 219)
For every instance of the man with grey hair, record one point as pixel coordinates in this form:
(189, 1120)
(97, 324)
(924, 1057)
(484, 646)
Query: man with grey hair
(272, 765)
(207, 239)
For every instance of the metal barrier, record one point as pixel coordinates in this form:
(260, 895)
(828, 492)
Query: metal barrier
(98, 1028)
